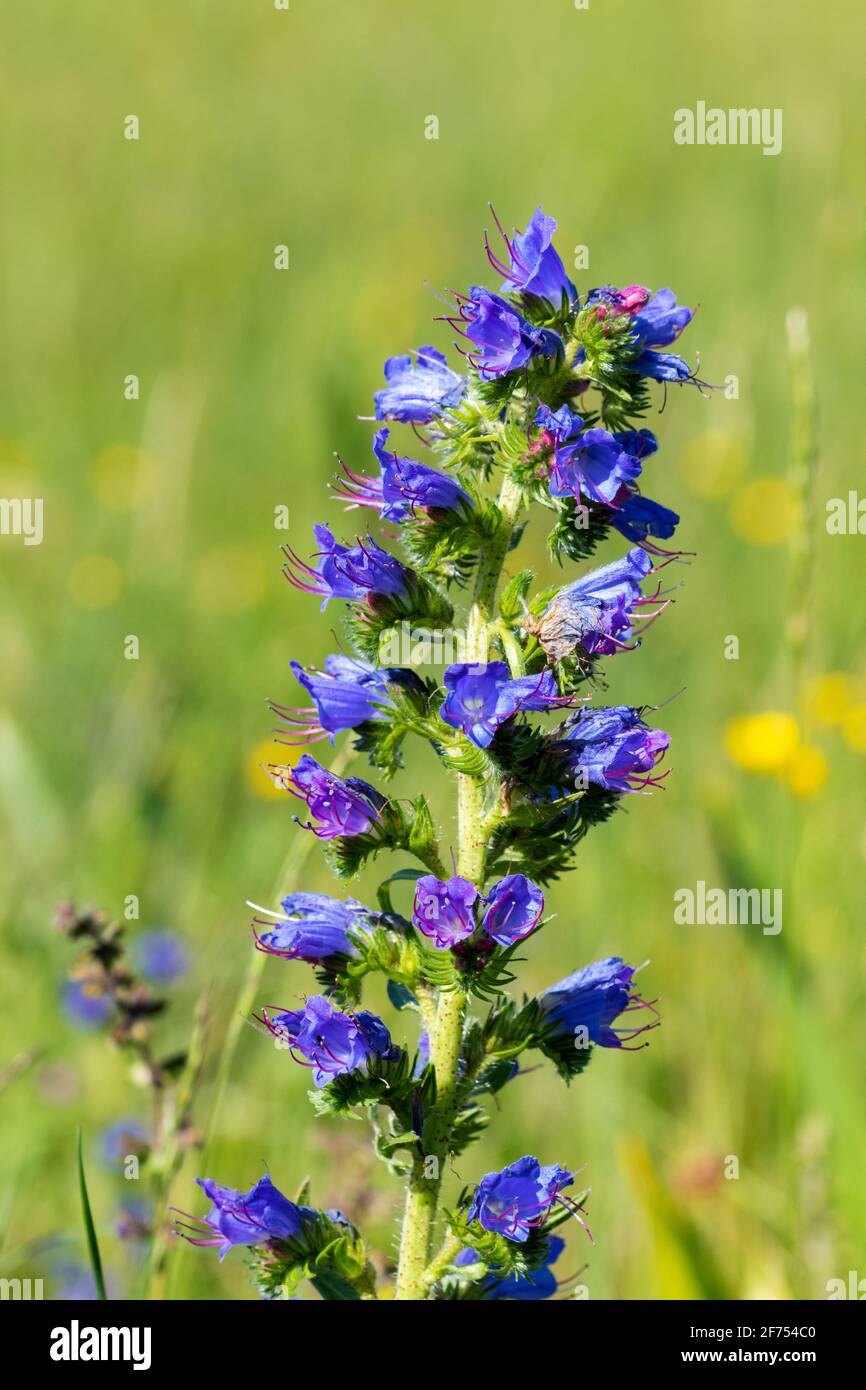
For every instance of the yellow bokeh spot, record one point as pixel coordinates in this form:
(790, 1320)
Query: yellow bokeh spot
(260, 759)
(767, 511)
(827, 697)
(230, 579)
(807, 772)
(763, 742)
(95, 581)
(854, 728)
(713, 463)
(121, 477)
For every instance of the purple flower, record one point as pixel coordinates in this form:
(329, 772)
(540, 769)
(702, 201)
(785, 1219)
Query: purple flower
(404, 488)
(347, 693)
(343, 805)
(518, 1199)
(349, 572)
(597, 611)
(84, 1006)
(514, 908)
(161, 955)
(329, 1042)
(256, 1217)
(593, 462)
(313, 927)
(444, 911)
(534, 266)
(591, 1000)
(502, 339)
(481, 697)
(539, 1284)
(418, 391)
(613, 748)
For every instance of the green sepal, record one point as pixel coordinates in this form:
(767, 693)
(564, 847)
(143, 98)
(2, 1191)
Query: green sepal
(399, 827)
(513, 597)
(369, 624)
(580, 528)
(331, 1256)
(445, 544)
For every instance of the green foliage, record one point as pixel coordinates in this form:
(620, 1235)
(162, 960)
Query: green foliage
(610, 351)
(444, 543)
(332, 1256)
(579, 529)
(382, 1082)
(369, 624)
(401, 826)
(495, 1253)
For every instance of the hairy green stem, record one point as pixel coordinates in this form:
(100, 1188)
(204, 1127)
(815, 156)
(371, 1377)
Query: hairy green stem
(422, 1191)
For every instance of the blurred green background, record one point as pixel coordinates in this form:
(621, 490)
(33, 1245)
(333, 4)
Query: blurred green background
(260, 127)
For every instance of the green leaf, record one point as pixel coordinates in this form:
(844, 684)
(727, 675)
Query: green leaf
(89, 1228)
(514, 594)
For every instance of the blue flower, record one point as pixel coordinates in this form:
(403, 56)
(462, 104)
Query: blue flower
(418, 391)
(331, 1043)
(257, 1217)
(597, 611)
(514, 908)
(161, 955)
(503, 339)
(656, 321)
(347, 693)
(444, 911)
(134, 1220)
(660, 321)
(122, 1138)
(658, 324)
(662, 366)
(539, 1284)
(591, 1000)
(349, 572)
(404, 487)
(534, 266)
(343, 805)
(313, 927)
(592, 462)
(613, 748)
(482, 697)
(518, 1199)
(84, 1006)
(637, 517)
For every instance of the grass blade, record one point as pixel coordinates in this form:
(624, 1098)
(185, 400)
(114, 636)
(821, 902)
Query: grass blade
(89, 1228)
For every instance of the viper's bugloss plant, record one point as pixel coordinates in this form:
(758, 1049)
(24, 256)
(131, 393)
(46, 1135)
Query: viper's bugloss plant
(545, 417)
